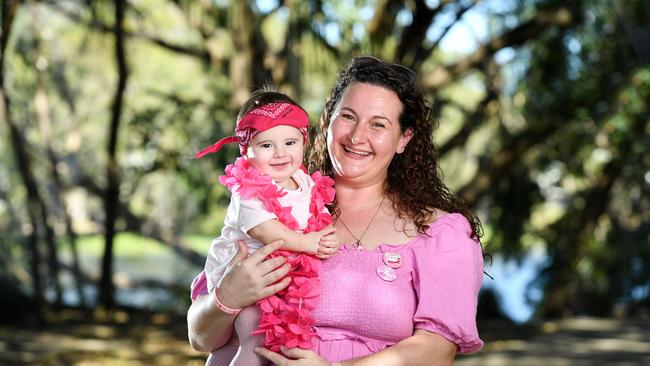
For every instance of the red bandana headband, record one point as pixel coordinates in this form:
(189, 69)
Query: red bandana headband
(259, 120)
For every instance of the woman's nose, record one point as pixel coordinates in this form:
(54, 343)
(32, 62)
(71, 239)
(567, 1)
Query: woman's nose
(358, 134)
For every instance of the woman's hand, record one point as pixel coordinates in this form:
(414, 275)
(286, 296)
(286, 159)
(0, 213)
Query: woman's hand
(253, 277)
(294, 357)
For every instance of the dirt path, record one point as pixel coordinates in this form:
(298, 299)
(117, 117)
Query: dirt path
(157, 339)
(121, 338)
(574, 342)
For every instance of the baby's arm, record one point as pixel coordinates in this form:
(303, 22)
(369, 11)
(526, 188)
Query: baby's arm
(322, 243)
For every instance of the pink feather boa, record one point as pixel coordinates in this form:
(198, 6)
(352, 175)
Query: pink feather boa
(285, 318)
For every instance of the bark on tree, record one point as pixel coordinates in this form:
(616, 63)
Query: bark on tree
(381, 25)
(9, 9)
(45, 125)
(241, 63)
(111, 194)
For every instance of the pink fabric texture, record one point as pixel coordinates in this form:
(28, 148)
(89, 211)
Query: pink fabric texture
(285, 318)
(359, 313)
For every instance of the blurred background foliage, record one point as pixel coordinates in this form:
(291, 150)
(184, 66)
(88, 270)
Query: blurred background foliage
(543, 128)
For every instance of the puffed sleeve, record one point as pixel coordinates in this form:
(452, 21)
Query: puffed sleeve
(250, 212)
(447, 278)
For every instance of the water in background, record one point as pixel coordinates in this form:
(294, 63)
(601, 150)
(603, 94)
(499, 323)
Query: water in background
(512, 283)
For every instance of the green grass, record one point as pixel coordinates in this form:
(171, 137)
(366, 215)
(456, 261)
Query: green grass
(200, 243)
(134, 245)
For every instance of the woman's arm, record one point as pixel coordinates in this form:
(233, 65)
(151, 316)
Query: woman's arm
(252, 278)
(422, 348)
(322, 243)
(208, 327)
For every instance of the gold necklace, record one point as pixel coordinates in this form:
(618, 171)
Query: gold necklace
(358, 243)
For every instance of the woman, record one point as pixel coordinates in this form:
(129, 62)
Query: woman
(403, 290)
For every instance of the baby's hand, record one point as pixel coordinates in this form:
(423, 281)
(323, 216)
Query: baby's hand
(329, 243)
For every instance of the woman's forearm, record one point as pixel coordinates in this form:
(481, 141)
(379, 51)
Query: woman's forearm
(423, 348)
(208, 327)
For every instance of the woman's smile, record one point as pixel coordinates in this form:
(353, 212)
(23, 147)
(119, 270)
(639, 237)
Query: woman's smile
(355, 153)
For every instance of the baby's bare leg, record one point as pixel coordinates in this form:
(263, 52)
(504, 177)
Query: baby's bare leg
(245, 324)
(224, 355)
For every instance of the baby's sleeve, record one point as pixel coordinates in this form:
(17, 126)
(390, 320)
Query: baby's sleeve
(250, 212)
(447, 278)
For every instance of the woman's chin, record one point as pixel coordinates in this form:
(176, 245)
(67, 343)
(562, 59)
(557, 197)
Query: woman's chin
(351, 173)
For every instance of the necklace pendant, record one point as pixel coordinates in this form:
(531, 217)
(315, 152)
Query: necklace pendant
(358, 244)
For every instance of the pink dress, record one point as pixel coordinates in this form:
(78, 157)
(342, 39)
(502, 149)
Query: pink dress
(436, 289)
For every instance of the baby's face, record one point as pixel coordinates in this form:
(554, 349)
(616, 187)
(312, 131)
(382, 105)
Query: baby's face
(277, 152)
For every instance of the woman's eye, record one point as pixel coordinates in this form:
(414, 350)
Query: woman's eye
(347, 116)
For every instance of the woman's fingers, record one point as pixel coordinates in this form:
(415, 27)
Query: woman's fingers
(278, 273)
(276, 358)
(295, 353)
(264, 251)
(242, 253)
(274, 288)
(270, 265)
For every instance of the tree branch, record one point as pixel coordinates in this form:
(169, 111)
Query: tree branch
(561, 17)
(413, 35)
(422, 52)
(201, 53)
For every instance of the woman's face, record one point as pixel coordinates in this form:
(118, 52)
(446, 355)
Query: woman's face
(364, 133)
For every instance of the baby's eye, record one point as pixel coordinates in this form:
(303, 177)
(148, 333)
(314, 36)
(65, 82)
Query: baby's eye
(290, 142)
(266, 146)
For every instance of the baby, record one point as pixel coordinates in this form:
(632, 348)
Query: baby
(272, 199)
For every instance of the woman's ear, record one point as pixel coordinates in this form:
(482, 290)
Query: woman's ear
(404, 140)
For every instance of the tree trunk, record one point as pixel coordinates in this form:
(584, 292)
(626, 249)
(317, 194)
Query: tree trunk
(382, 24)
(22, 160)
(45, 124)
(111, 194)
(241, 63)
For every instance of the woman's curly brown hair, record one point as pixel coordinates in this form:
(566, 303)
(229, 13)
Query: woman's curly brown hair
(415, 182)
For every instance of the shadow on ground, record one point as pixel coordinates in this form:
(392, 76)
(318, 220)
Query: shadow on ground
(134, 338)
(122, 337)
(572, 342)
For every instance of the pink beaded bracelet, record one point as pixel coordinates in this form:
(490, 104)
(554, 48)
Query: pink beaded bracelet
(223, 307)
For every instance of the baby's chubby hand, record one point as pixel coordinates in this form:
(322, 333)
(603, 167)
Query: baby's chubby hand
(329, 243)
